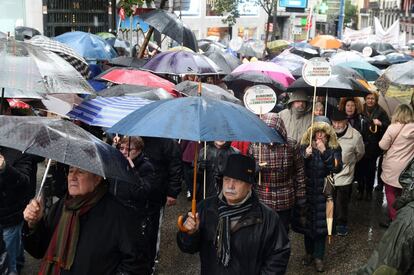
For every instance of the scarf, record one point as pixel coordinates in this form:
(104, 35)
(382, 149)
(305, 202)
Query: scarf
(227, 215)
(62, 247)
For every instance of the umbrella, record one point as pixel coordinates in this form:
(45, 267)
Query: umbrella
(343, 57)
(329, 217)
(170, 25)
(128, 61)
(59, 104)
(210, 120)
(305, 52)
(88, 45)
(190, 88)
(21, 33)
(238, 82)
(182, 62)
(106, 35)
(379, 61)
(64, 142)
(180, 48)
(396, 58)
(206, 44)
(252, 47)
(401, 74)
(106, 111)
(368, 71)
(277, 45)
(226, 61)
(135, 77)
(382, 47)
(289, 60)
(119, 43)
(278, 73)
(150, 93)
(64, 51)
(25, 67)
(326, 42)
(337, 86)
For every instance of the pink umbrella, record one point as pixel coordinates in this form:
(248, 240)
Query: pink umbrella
(276, 72)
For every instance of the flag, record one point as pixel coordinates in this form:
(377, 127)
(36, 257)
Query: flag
(309, 21)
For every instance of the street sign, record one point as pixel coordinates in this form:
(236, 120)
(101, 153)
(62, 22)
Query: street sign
(367, 51)
(316, 71)
(260, 99)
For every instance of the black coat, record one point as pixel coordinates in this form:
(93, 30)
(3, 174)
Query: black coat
(108, 242)
(371, 140)
(317, 167)
(259, 243)
(165, 155)
(144, 195)
(15, 181)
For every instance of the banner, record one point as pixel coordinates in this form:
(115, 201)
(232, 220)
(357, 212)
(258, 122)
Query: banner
(391, 35)
(351, 35)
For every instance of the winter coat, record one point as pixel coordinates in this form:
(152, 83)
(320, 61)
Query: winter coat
(371, 140)
(107, 244)
(165, 155)
(283, 178)
(214, 165)
(15, 181)
(400, 150)
(296, 126)
(144, 195)
(353, 150)
(259, 243)
(317, 167)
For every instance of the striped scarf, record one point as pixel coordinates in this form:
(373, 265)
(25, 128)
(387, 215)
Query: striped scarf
(228, 214)
(62, 247)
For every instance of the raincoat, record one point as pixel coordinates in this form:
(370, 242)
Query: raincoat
(296, 124)
(395, 252)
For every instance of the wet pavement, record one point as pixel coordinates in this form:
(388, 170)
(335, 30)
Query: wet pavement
(343, 255)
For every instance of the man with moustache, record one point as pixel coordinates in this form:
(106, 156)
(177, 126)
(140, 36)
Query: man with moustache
(298, 116)
(353, 150)
(234, 232)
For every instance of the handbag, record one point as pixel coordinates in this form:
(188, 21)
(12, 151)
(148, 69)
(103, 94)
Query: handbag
(329, 186)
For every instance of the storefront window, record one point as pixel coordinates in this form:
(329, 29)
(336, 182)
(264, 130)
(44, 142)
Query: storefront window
(247, 33)
(219, 34)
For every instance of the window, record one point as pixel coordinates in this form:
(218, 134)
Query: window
(194, 9)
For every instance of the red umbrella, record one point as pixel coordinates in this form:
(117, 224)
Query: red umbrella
(137, 77)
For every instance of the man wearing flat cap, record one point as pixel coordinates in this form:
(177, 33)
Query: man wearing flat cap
(234, 232)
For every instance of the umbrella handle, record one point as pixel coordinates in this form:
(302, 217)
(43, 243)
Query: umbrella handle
(373, 130)
(180, 224)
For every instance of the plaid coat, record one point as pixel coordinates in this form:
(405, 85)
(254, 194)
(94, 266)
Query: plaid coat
(283, 178)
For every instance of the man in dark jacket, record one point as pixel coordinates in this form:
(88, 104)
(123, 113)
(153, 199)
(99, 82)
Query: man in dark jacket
(234, 232)
(15, 172)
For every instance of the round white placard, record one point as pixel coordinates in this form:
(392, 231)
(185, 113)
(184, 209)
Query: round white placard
(260, 99)
(316, 71)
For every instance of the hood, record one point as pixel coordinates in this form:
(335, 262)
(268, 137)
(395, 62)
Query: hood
(321, 126)
(408, 131)
(406, 180)
(274, 121)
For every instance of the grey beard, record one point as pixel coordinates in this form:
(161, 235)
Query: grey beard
(340, 131)
(297, 112)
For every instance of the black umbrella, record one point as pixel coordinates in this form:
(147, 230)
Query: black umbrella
(238, 82)
(190, 88)
(21, 33)
(382, 47)
(128, 61)
(226, 61)
(170, 25)
(305, 52)
(206, 44)
(146, 92)
(64, 142)
(337, 86)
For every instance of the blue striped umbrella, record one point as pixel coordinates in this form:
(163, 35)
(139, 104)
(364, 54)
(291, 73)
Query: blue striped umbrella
(106, 111)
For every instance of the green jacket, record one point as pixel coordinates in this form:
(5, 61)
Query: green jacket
(395, 252)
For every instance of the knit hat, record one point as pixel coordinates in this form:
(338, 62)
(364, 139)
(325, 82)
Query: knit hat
(298, 96)
(240, 167)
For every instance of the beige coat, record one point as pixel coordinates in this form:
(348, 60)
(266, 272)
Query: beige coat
(295, 126)
(399, 154)
(352, 151)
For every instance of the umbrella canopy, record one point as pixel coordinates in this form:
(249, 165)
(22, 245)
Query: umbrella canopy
(401, 74)
(277, 45)
(119, 43)
(238, 82)
(88, 45)
(182, 62)
(326, 42)
(397, 58)
(106, 111)
(206, 44)
(170, 25)
(365, 69)
(379, 61)
(64, 142)
(58, 104)
(135, 77)
(128, 61)
(305, 52)
(30, 68)
(190, 88)
(180, 48)
(106, 35)
(252, 47)
(402, 93)
(289, 60)
(337, 86)
(21, 33)
(210, 120)
(64, 51)
(146, 92)
(382, 47)
(342, 57)
(278, 73)
(226, 61)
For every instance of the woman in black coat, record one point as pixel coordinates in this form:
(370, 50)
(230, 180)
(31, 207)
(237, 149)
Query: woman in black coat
(322, 158)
